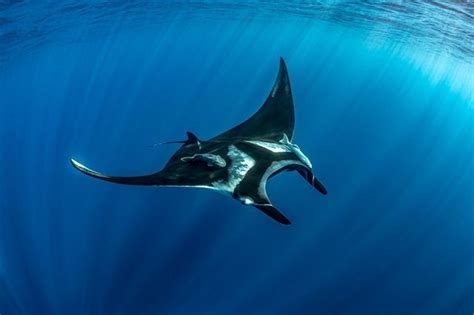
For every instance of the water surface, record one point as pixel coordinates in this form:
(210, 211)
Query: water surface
(384, 99)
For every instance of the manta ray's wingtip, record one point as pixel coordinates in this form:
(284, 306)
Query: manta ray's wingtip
(76, 164)
(84, 169)
(81, 167)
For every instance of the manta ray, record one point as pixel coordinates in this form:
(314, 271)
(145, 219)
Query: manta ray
(239, 161)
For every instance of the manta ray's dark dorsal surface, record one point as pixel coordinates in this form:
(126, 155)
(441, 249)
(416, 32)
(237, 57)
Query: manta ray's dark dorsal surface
(239, 161)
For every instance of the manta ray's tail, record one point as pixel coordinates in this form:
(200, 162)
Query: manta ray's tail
(137, 180)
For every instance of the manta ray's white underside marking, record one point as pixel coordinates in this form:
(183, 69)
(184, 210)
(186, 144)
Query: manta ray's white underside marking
(211, 159)
(271, 146)
(284, 145)
(240, 165)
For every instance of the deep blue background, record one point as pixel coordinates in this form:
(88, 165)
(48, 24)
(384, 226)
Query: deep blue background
(391, 138)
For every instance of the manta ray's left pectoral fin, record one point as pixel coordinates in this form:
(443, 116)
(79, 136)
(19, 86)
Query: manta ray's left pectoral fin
(151, 179)
(310, 178)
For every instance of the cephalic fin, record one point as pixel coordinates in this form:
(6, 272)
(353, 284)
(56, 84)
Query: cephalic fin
(273, 213)
(310, 178)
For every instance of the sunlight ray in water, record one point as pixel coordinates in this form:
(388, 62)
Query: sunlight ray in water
(383, 107)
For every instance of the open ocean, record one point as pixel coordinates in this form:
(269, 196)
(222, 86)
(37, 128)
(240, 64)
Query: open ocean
(384, 101)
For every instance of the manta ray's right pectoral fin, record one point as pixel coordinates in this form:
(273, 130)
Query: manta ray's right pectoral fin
(152, 179)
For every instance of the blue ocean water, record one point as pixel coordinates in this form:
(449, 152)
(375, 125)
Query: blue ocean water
(384, 98)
